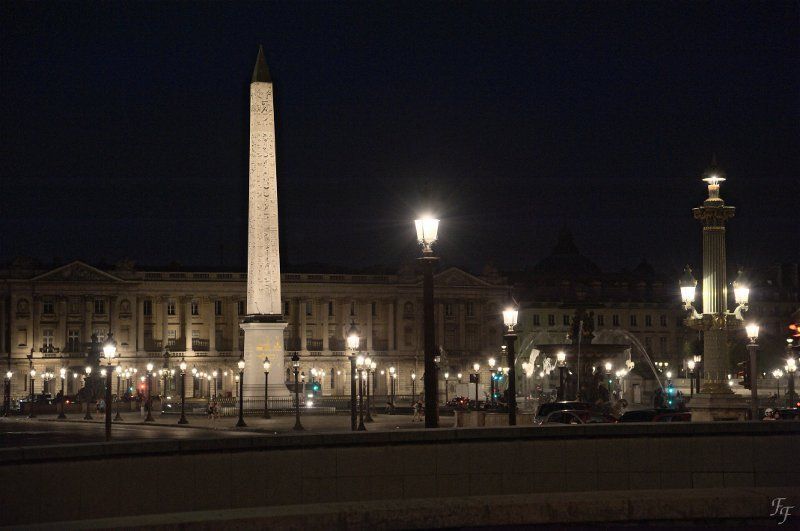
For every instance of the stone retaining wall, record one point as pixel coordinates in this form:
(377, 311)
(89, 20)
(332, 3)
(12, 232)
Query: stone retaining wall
(136, 478)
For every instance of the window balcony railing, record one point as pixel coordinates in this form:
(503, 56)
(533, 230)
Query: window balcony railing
(336, 344)
(200, 345)
(313, 344)
(291, 343)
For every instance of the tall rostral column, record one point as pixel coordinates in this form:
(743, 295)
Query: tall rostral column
(263, 325)
(715, 401)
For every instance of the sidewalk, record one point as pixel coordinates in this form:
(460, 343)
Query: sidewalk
(275, 425)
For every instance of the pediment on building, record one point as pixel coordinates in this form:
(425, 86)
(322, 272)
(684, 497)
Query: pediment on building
(454, 277)
(76, 271)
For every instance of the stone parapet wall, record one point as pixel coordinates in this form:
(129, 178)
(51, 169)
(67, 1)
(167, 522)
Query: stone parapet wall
(193, 475)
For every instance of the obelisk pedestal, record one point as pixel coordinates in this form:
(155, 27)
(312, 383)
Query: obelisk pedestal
(263, 325)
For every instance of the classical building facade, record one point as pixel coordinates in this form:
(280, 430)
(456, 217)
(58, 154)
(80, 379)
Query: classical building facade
(47, 317)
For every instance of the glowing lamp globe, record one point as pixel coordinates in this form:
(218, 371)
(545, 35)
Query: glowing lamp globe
(510, 316)
(476, 367)
(150, 367)
(561, 356)
(62, 372)
(691, 364)
(752, 331)
(266, 365)
(109, 350)
(427, 232)
(688, 285)
(240, 364)
(183, 365)
(491, 363)
(608, 366)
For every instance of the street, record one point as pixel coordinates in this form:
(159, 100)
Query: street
(47, 430)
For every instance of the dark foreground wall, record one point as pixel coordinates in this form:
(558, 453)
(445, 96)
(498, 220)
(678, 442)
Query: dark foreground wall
(40, 484)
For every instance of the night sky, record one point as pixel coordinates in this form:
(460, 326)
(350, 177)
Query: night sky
(124, 129)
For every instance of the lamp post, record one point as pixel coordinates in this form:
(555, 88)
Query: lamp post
(608, 367)
(510, 315)
(492, 362)
(62, 373)
(446, 395)
(777, 374)
(7, 393)
(413, 386)
(427, 230)
(296, 367)
(561, 359)
(266, 388)
(165, 373)
(691, 365)
(118, 371)
(182, 366)
(353, 341)
(752, 347)
(31, 413)
(109, 352)
(367, 370)
(149, 397)
(371, 366)
(392, 377)
(88, 372)
(360, 367)
(476, 368)
(791, 368)
(716, 400)
(241, 423)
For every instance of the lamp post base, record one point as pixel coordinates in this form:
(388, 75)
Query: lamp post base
(710, 407)
(241, 424)
(183, 420)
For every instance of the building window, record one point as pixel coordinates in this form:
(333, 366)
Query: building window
(565, 320)
(648, 320)
(374, 309)
(663, 320)
(47, 337)
(330, 308)
(101, 333)
(171, 334)
(448, 310)
(601, 320)
(48, 308)
(470, 309)
(285, 307)
(217, 307)
(240, 307)
(352, 308)
(633, 320)
(73, 340)
(551, 320)
(615, 319)
(662, 345)
(195, 308)
(171, 308)
(536, 319)
(99, 306)
(195, 334)
(147, 307)
(309, 309)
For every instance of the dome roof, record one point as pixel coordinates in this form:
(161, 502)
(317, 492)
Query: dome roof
(566, 261)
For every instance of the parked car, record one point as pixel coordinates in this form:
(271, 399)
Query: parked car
(546, 409)
(577, 416)
(656, 415)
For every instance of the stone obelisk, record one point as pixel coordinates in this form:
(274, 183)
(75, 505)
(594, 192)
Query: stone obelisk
(263, 325)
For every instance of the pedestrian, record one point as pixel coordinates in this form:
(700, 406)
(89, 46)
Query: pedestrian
(213, 413)
(417, 411)
(768, 414)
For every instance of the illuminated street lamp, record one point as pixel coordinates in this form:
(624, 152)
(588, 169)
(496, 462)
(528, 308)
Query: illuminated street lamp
(427, 233)
(182, 366)
(109, 352)
(777, 374)
(7, 393)
(476, 368)
(353, 342)
(491, 363)
(360, 364)
(791, 368)
(118, 371)
(561, 361)
(296, 367)
(240, 364)
(510, 316)
(608, 367)
(691, 364)
(266, 388)
(752, 348)
(149, 417)
(446, 376)
(31, 412)
(88, 371)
